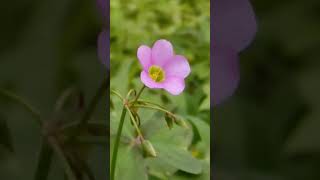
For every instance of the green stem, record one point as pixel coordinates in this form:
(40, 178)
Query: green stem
(130, 92)
(155, 108)
(134, 122)
(63, 159)
(94, 102)
(44, 163)
(116, 145)
(117, 141)
(117, 94)
(19, 100)
(63, 98)
(151, 103)
(90, 110)
(139, 93)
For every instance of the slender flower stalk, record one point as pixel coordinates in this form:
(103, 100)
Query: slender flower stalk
(120, 127)
(45, 159)
(134, 122)
(116, 145)
(139, 93)
(94, 102)
(117, 94)
(155, 108)
(62, 157)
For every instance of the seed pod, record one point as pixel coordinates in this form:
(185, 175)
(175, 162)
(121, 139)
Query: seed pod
(169, 120)
(181, 123)
(149, 149)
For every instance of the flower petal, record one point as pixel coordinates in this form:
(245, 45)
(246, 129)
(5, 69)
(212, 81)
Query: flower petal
(177, 66)
(146, 80)
(103, 48)
(162, 52)
(144, 56)
(226, 74)
(234, 23)
(174, 85)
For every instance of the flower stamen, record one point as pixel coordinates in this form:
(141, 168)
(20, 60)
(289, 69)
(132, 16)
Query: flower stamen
(156, 73)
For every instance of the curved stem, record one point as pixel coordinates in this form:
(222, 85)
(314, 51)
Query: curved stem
(22, 102)
(63, 159)
(116, 145)
(117, 141)
(94, 102)
(155, 108)
(117, 94)
(130, 92)
(63, 98)
(151, 103)
(139, 93)
(134, 122)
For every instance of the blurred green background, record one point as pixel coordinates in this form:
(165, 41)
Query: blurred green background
(270, 128)
(182, 153)
(45, 47)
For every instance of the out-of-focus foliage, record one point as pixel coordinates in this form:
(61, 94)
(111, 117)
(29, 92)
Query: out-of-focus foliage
(184, 23)
(270, 129)
(46, 47)
(183, 153)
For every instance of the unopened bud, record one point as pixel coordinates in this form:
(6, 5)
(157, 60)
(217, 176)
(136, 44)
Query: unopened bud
(149, 149)
(181, 123)
(169, 120)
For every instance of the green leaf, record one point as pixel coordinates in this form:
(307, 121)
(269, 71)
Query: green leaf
(178, 157)
(202, 128)
(203, 176)
(156, 130)
(131, 164)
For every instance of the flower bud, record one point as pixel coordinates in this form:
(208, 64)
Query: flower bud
(149, 149)
(181, 123)
(169, 120)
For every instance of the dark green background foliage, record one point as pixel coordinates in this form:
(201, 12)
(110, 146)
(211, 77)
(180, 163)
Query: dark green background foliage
(46, 47)
(182, 153)
(270, 128)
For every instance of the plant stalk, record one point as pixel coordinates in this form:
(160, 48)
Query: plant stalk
(117, 142)
(119, 132)
(19, 100)
(44, 163)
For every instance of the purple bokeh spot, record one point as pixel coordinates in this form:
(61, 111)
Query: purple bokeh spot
(103, 47)
(233, 29)
(103, 38)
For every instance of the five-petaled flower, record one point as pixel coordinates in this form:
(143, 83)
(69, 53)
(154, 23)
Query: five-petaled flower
(162, 69)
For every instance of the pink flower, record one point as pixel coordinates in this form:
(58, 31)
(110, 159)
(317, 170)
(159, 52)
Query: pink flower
(162, 69)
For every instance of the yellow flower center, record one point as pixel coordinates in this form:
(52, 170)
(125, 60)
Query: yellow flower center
(156, 73)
